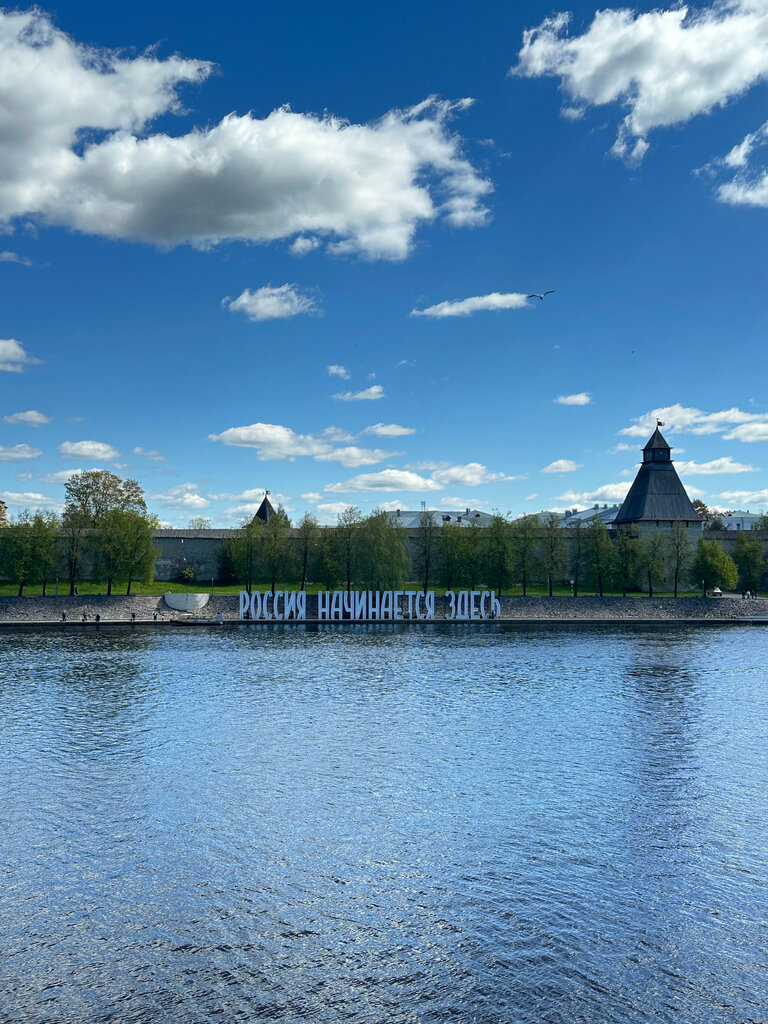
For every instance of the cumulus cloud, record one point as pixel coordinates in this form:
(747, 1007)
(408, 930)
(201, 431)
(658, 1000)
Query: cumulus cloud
(337, 434)
(722, 465)
(184, 497)
(608, 493)
(463, 503)
(96, 450)
(562, 466)
(748, 432)
(389, 430)
(17, 452)
(32, 418)
(465, 307)
(737, 498)
(329, 511)
(749, 185)
(253, 494)
(270, 303)
(531, 497)
(580, 398)
(338, 371)
(473, 474)
(61, 477)
(312, 497)
(677, 418)
(273, 441)
(304, 244)
(370, 394)
(13, 357)
(152, 455)
(352, 456)
(82, 157)
(14, 257)
(29, 499)
(663, 66)
(385, 480)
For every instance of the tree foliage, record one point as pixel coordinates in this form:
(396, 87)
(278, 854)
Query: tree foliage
(712, 567)
(499, 551)
(551, 552)
(524, 547)
(307, 538)
(382, 562)
(749, 556)
(427, 544)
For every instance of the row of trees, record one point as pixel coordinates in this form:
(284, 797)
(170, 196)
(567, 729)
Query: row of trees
(105, 523)
(371, 552)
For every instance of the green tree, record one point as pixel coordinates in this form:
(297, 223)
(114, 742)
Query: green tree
(452, 558)
(138, 554)
(749, 556)
(499, 552)
(246, 548)
(20, 549)
(525, 532)
(427, 546)
(679, 553)
(578, 553)
(225, 563)
(651, 556)
(713, 568)
(712, 518)
(472, 561)
(276, 547)
(110, 543)
(347, 537)
(761, 523)
(90, 498)
(599, 553)
(551, 552)
(45, 536)
(199, 523)
(307, 537)
(382, 562)
(327, 566)
(625, 557)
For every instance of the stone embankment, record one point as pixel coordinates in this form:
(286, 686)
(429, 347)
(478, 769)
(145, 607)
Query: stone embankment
(557, 609)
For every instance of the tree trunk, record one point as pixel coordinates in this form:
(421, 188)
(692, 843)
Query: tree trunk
(109, 586)
(45, 585)
(21, 588)
(71, 586)
(128, 591)
(599, 585)
(524, 581)
(549, 585)
(304, 570)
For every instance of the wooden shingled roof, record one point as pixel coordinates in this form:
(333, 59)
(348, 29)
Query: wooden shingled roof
(657, 493)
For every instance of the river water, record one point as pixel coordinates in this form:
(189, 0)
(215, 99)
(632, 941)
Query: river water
(450, 823)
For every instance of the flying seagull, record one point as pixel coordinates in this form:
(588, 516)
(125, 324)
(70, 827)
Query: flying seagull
(537, 296)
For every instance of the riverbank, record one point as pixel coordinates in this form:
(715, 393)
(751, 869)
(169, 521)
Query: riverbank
(153, 609)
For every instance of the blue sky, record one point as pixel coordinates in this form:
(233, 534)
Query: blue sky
(290, 248)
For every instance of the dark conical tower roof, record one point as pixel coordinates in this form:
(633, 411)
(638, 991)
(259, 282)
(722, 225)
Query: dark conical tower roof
(265, 510)
(657, 495)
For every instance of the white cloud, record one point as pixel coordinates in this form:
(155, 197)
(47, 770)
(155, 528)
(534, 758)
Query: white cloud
(270, 303)
(465, 307)
(748, 187)
(304, 244)
(722, 465)
(608, 493)
(13, 358)
(687, 419)
(741, 498)
(580, 398)
(337, 434)
(371, 394)
(311, 497)
(14, 257)
(273, 441)
(253, 494)
(16, 452)
(389, 430)
(531, 497)
(748, 432)
(29, 499)
(82, 158)
(330, 510)
(385, 480)
(183, 497)
(473, 474)
(31, 417)
(562, 466)
(352, 456)
(391, 506)
(463, 503)
(663, 66)
(152, 455)
(338, 371)
(88, 450)
(61, 477)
